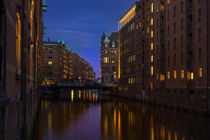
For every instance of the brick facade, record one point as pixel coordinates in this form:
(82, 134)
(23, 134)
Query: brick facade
(20, 43)
(109, 59)
(170, 40)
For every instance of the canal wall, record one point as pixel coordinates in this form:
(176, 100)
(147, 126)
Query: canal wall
(197, 101)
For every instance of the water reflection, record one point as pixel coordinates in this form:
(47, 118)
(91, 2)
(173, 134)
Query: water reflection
(116, 120)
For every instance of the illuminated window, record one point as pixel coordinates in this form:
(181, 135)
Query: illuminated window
(192, 76)
(113, 61)
(152, 70)
(151, 46)
(18, 44)
(152, 34)
(148, 30)
(168, 1)
(106, 59)
(175, 74)
(169, 75)
(50, 62)
(151, 21)
(162, 77)
(182, 74)
(157, 76)
(152, 7)
(152, 58)
(200, 72)
(151, 86)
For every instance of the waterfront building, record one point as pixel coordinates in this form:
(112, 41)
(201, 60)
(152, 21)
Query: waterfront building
(82, 70)
(164, 48)
(109, 59)
(57, 62)
(21, 33)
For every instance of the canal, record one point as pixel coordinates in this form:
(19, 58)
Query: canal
(87, 117)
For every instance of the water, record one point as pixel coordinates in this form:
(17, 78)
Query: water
(85, 118)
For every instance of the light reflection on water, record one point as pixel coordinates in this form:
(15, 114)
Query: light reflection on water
(82, 117)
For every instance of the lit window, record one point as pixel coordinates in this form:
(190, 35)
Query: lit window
(152, 21)
(200, 72)
(152, 34)
(192, 76)
(152, 46)
(188, 75)
(113, 61)
(175, 74)
(182, 74)
(168, 1)
(50, 62)
(18, 44)
(162, 77)
(148, 30)
(152, 7)
(106, 59)
(152, 58)
(169, 75)
(152, 70)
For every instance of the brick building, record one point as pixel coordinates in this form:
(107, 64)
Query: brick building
(82, 69)
(56, 62)
(164, 48)
(109, 59)
(20, 42)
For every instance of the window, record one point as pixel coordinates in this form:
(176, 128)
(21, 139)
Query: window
(200, 56)
(18, 44)
(106, 59)
(182, 7)
(200, 73)
(175, 74)
(182, 74)
(147, 30)
(199, 34)
(151, 46)
(50, 57)
(168, 60)
(168, 1)
(152, 70)
(182, 59)
(152, 7)
(152, 58)
(174, 59)
(174, 11)
(152, 21)
(175, 43)
(174, 27)
(152, 34)
(168, 75)
(50, 62)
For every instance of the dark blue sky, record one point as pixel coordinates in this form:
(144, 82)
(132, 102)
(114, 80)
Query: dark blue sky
(81, 23)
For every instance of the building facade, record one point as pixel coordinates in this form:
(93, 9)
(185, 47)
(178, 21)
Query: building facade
(109, 59)
(20, 43)
(82, 70)
(57, 63)
(170, 63)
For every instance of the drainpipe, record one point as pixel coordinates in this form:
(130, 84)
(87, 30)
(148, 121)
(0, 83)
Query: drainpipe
(23, 75)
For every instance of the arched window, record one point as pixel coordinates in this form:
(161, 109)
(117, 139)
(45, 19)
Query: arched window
(18, 44)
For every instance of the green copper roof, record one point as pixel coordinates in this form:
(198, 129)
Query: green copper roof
(44, 3)
(44, 26)
(63, 42)
(44, 8)
(59, 41)
(106, 40)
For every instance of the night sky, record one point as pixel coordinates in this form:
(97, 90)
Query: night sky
(81, 23)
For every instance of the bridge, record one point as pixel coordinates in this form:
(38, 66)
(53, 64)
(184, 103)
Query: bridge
(61, 91)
